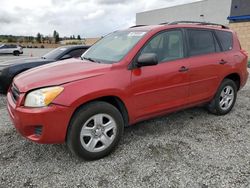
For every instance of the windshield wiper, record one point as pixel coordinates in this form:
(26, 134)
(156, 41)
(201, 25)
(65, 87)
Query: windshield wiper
(90, 59)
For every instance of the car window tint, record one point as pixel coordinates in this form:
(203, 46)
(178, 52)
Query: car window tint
(77, 53)
(200, 42)
(226, 39)
(167, 46)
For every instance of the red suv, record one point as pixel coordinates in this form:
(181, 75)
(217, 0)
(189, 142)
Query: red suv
(126, 77)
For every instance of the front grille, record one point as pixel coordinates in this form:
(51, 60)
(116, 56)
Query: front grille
(38, 130)
(15, 92)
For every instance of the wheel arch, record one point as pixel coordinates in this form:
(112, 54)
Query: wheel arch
(236, 78)
(113, 100)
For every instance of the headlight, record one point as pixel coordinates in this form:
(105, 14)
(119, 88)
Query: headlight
(42, 97)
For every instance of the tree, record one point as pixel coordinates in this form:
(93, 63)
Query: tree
(38, 37)
(56, 36)
(73, 37)
(78, 37)
(42, 38)
(57, 39)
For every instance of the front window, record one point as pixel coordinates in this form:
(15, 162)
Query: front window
(113, 47)
(168, 46)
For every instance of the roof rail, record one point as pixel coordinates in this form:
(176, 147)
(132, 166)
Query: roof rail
(137, 26)
(197, 22)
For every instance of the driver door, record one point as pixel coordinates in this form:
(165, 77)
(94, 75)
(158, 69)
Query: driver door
(161, 87)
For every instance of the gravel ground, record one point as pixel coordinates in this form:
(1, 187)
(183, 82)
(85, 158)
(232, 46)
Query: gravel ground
(190, 148)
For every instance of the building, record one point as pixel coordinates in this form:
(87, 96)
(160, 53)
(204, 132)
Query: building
(240, 21)
(235, 13)
(215, 11)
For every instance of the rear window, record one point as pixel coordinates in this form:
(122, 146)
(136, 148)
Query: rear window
(200, 42)
(226, 39)
(77, 52)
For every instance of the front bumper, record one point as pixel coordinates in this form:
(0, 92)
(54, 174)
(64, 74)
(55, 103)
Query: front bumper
(51, 121)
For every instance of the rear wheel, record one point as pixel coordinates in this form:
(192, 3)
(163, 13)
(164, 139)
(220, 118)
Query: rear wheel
(95, 130)
(224, 99)
(16, 53)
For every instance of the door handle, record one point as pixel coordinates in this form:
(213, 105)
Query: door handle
(183, 69)
(222, 62)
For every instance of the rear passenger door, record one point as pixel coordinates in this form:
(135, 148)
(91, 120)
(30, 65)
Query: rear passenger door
(205, 57)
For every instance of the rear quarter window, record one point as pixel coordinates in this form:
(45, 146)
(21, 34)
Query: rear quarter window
(226, 40)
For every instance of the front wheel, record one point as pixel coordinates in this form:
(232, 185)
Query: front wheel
(224, 99)
(95, 130)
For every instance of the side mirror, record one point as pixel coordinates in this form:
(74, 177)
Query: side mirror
(147, 59)
(66, 56)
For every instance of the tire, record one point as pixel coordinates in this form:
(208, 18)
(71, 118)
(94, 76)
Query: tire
(16, 53)
(95, 130)
(224, 99)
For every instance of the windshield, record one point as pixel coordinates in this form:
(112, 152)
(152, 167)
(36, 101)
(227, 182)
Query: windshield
(113, 47)
(54, 53)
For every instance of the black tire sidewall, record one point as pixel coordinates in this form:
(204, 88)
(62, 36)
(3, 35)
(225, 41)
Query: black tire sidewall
(78, 120)
(16, 53)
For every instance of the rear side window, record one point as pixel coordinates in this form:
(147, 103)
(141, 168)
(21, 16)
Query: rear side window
(200, 42)
(12, 46)
(226, 40)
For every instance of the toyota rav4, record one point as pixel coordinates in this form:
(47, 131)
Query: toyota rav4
(128, 76)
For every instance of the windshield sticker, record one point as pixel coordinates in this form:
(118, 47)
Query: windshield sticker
(136, 34)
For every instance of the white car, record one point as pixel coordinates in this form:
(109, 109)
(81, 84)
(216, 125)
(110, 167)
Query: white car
(11, 49)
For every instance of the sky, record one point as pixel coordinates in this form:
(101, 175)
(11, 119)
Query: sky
(87, 18)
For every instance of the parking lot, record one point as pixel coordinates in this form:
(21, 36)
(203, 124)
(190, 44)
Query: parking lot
(27, 52)
(190, 148)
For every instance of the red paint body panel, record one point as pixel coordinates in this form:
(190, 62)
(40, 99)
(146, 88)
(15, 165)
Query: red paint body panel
(53, 119)
(146, 92)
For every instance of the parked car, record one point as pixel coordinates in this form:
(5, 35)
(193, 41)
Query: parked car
(10, 69)
(126, 77)
(11, 49)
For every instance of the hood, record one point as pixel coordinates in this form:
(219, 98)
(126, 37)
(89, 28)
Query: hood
(22, 61)
(58, 73)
